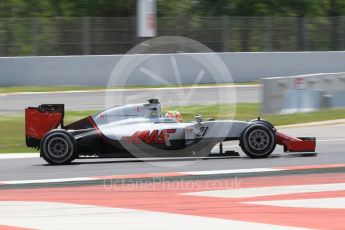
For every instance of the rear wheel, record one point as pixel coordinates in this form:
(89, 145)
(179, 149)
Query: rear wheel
(258, 140)
(58, 147)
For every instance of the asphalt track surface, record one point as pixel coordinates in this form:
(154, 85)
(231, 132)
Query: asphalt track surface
(330, 150)
(301, 198)
(96, 100)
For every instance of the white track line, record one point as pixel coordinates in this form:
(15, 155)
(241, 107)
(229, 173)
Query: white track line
(189, 173)
(192, 173)
(305, 203)
(49, 215)
(232, 171)
(270, 191)
(330, 140)
(43, 181)
(18, 155)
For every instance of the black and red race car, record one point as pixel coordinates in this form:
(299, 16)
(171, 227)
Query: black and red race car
(139, 130)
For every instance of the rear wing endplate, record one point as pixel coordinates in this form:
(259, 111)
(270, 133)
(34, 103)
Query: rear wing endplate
(40, 120)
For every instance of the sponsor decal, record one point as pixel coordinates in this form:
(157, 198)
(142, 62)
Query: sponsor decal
(149, 137)
(299, 83)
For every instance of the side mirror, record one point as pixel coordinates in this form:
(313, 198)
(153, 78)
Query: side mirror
(198, 119)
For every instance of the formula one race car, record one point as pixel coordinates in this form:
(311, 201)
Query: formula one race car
(139, 130)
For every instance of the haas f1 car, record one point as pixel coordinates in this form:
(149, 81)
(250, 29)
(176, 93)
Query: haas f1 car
(139, 130)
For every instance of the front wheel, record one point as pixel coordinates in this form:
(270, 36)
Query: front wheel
(258, 140)
(58, 147)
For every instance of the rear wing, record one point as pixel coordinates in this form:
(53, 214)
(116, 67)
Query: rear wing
(40, 120)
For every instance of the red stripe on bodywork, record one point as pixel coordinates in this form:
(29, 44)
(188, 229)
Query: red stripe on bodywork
(97, 129)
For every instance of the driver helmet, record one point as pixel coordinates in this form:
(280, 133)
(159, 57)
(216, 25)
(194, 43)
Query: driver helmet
(174, 114)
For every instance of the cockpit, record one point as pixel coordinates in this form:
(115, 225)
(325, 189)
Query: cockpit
(151, 111)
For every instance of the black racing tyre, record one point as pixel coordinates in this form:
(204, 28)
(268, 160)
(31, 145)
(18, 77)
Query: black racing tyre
(264, 122)
(58, 147)
(258, 140)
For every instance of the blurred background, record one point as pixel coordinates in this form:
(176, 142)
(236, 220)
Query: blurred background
(64, 27)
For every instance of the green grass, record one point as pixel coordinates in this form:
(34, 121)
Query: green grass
(17, 89)
(12, 136)
(249, 111)
(12, 126)
(242, 111)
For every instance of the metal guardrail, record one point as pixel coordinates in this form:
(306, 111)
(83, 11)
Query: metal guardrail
(92, 35)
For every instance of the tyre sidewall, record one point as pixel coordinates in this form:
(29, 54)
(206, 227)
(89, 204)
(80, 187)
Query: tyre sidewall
(253, 153)
(68, 157)
(264, 122)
